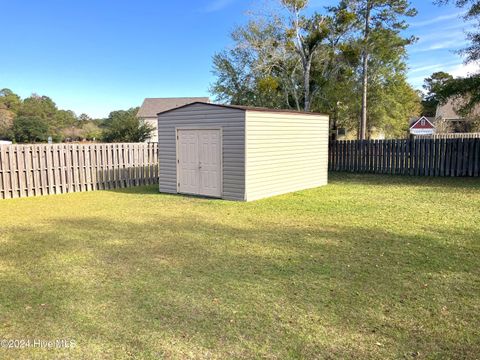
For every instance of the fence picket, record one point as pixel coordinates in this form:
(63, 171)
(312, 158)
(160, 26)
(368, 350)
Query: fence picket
(28, 171)
(412, 160)
(350, 159)
(476, 163)
(441, 157)
(448, 162)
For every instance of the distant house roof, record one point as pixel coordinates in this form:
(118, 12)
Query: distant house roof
(448, 110)
(152, 106)
(416, 120)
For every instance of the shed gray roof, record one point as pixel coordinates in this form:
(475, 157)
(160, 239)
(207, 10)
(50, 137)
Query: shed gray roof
(152, 106)
(246, 108)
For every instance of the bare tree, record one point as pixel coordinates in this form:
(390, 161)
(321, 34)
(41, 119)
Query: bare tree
(308, 35)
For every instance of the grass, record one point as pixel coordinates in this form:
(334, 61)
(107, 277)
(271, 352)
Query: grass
(367, 267)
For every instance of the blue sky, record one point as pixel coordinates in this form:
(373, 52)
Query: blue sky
(95, 56)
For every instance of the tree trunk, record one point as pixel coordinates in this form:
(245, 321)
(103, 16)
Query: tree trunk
(306, 58)
(366, 34)
(306, 84)
(363, 122)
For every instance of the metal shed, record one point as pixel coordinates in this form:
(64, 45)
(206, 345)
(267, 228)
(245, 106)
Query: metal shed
(241, 153)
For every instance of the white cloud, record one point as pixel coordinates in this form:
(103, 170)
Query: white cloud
(433, 67)
(455, 68)
(217, 5)
(436, 19)
(452, 44)
(436, 34)
(448, 44)
(463, 70)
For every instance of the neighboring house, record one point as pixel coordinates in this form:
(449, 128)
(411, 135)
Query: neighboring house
(152, 106)
(448, 112)
(5, 142)
(422, 126)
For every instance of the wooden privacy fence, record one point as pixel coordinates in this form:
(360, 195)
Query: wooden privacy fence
(419, 157)
(32, 170)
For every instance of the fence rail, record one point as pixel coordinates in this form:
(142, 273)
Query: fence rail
(33, 170)
(450, 136)
(419, 157)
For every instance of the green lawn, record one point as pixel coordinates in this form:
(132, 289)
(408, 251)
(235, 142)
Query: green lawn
(367, 267)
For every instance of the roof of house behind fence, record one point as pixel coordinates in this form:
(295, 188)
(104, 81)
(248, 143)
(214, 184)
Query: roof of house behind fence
(449, 110)
(152, 106)
(414, 120)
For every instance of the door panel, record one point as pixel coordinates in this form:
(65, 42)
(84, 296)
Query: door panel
(210, 162)
(200, 159)
(188, 162)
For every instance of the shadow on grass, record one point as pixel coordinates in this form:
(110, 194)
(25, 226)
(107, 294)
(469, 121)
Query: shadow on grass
(434, 183)
(137, 190)
(399, 180)
(167, 287)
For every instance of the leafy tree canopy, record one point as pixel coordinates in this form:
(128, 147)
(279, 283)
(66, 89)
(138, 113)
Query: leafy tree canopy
(30, 129)
(434, 86)
(41, 106)
(6, 123)
(64, 118)
(9, 100)
(467, 89)
(91, 131)
(124, 126)
(84, 117)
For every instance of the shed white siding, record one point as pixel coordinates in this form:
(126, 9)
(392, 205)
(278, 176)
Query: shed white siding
(285, 152)
(198, 116)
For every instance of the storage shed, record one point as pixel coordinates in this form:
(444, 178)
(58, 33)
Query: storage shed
(241, 153)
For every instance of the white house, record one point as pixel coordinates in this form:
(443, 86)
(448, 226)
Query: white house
(152, 106)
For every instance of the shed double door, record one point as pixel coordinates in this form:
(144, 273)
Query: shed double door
(199, 159)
